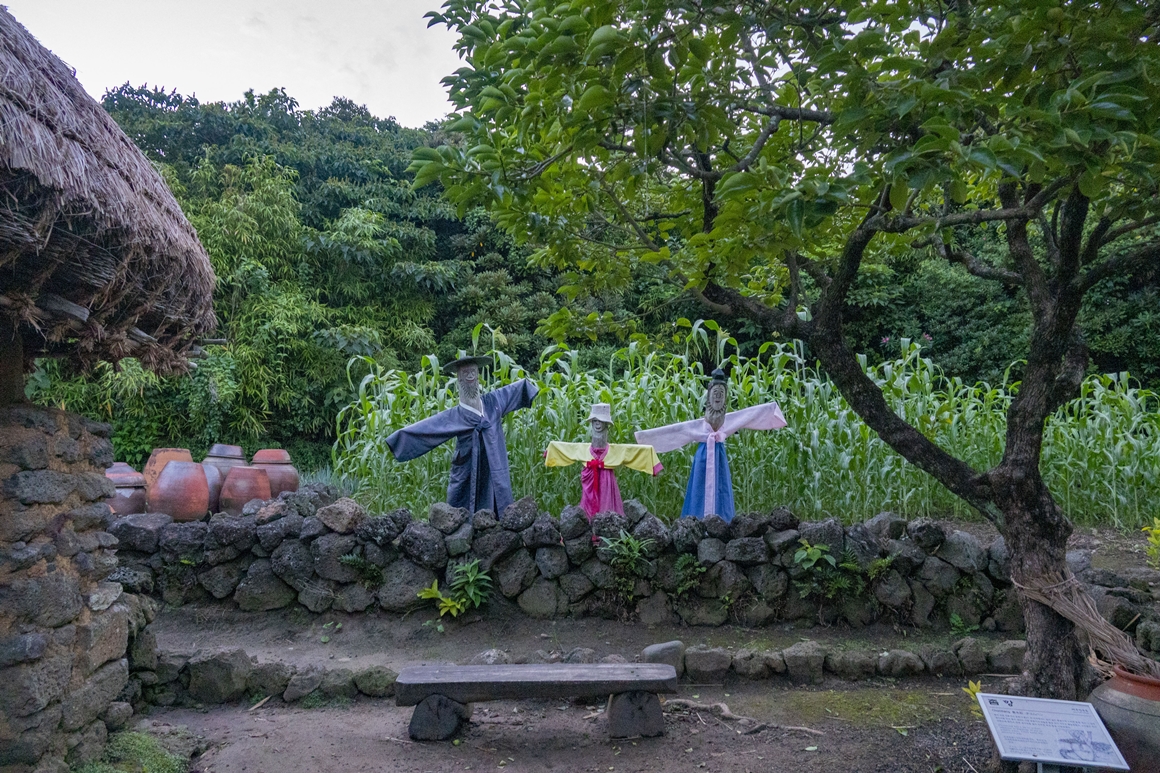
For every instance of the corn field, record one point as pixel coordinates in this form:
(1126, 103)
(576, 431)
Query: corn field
(1101, 452)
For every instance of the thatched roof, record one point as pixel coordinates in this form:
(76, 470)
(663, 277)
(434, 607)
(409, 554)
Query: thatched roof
(97, 260)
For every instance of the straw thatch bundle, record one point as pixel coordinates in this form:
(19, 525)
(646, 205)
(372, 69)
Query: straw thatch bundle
(97, 260)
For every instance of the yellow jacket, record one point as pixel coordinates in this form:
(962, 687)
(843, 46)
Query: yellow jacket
(634, 457)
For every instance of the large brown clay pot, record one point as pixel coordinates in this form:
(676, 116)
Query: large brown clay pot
(157, 461)
(1129, 705)
(181, 491)
(215, 478)
(225, 457)
(280, 468)
(130, 485)
(243, 484)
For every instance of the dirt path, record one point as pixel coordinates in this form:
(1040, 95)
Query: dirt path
(863, 726)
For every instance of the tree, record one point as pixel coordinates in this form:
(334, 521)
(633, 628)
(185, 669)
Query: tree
(767, 155)
(322, 252)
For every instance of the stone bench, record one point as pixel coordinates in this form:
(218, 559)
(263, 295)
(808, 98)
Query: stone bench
(442, 695)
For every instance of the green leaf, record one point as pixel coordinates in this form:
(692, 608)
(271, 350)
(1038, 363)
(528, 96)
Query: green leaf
(899, 193)
(958, 191)
(593, 97)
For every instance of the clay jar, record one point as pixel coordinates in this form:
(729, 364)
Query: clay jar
(157, 461)
(241, 485)
(1129, 705)
(181, 491)
(130, 484)
(277, 464)
(215, 478)
(225, 458)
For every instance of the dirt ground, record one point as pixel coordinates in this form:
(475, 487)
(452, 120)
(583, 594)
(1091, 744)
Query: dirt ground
(923, 725)
(879, 725)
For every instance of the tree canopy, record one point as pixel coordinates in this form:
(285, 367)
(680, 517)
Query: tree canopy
(322, 252)
(766, 156)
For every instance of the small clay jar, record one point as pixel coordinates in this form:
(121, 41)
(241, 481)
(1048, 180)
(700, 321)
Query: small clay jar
(225, 457)
(215, 478)
(157, 461)
(243, 484)
(181, 491)
(130, 485)
(280, 468)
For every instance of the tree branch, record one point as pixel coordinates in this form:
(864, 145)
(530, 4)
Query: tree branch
(973, 265)
(1116, 233)
(1117, 265)
(793, 113)
(1019, 247)
(1071, 375)
(1075, 212)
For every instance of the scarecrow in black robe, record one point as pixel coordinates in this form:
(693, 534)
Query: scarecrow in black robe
(479, 473)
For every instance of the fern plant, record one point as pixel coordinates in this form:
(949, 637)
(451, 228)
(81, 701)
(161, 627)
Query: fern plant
(628, 557)
(689, 571)
(369, 575)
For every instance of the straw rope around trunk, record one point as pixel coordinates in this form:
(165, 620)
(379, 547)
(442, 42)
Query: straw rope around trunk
(1064, 594)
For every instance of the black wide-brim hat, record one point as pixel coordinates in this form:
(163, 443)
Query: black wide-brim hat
(455, 365)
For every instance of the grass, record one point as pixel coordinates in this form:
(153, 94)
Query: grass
(1101, 454)
(132, 752)
(316, 700)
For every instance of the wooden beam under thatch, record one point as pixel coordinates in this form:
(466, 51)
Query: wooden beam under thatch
(88, 225)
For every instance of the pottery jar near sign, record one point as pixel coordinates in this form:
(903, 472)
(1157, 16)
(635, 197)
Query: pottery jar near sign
(1129, 705)
(181, 491)
(243, 484)
(130, 485)
(279, 467)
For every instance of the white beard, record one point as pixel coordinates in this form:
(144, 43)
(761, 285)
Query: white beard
(469, 395)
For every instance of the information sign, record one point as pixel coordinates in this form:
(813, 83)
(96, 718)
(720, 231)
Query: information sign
(1050, 732)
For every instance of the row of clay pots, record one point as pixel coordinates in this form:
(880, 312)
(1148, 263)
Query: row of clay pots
(173, 483)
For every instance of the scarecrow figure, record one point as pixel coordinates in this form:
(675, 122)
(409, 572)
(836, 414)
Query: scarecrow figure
(479, 472)
(710, 489)
(599, 491)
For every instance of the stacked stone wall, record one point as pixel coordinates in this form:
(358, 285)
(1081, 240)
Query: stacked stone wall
(64, 627)
(291, 550)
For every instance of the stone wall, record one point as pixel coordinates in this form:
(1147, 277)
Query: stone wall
(64, 627)
(288, 551)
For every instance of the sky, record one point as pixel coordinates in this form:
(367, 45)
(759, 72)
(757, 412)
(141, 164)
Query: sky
(379, 53)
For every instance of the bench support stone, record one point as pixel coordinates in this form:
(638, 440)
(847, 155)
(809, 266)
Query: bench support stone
(437, 718)
(636, 713)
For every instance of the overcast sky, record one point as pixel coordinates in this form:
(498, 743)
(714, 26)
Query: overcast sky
(376, 52)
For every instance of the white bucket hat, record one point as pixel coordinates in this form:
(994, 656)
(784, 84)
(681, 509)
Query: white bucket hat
(601, 411)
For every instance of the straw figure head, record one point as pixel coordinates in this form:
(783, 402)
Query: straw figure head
(466, 370)
(600, 420)
(717, 400)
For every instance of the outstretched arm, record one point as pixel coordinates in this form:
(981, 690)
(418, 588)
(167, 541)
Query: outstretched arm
(412, 442)
(514, 396)
(765, 416)
(563, 454)
(673, 436)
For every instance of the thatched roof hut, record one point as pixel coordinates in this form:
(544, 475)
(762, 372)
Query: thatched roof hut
(97, 260)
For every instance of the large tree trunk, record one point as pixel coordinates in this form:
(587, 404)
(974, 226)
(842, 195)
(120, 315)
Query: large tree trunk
(1036, 532)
